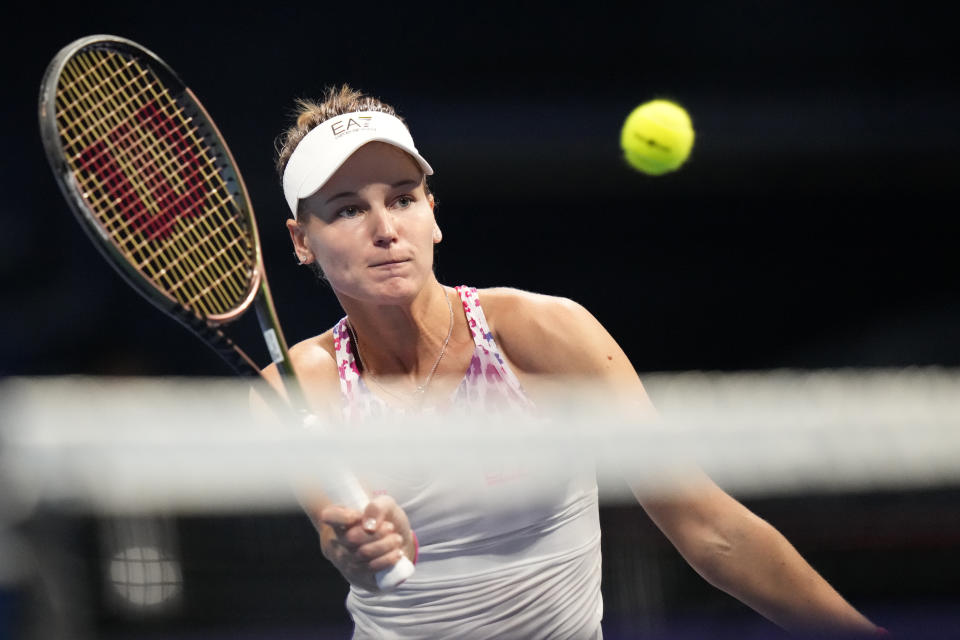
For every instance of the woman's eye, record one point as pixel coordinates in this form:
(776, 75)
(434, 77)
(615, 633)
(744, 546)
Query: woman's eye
(349, 212)
(404, 201)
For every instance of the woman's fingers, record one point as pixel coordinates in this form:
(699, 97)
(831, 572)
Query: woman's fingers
(381, 508)
(357, 536)
(387, 560)
(383, 552)
(364, 543)
(339, 517)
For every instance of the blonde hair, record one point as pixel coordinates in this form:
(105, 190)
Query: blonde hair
(309, 113)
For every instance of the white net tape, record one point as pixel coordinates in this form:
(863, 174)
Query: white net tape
(128, 445)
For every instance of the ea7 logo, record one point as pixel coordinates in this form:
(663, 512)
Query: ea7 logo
(353, 123)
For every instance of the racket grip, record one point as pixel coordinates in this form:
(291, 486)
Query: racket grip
(388, 579)
(346, 490)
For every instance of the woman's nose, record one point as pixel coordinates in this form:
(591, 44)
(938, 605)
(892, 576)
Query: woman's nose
(385, 230)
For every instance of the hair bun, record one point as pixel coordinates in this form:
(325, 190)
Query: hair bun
(309, 113)
(307, 119)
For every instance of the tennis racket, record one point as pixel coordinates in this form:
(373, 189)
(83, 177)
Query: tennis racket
(152, 182)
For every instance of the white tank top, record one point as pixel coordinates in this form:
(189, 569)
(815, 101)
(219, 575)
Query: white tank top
(503, 553)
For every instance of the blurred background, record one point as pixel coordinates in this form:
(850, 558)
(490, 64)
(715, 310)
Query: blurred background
(811, 228)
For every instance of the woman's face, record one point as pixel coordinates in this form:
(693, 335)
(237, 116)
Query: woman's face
(371, 227)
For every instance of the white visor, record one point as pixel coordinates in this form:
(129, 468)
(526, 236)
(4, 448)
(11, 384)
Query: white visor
(328, 145)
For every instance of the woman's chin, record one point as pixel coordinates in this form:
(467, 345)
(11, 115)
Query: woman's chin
(392, 290)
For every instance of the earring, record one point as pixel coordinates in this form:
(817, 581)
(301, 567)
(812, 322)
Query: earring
(300, 259)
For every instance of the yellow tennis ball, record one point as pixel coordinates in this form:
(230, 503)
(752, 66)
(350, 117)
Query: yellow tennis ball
(657, 137)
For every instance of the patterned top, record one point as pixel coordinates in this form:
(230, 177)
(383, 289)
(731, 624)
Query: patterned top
(505, 552)
(488, 383)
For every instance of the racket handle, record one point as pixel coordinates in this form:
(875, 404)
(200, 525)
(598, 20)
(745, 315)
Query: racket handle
(346, 490)
(388, 579)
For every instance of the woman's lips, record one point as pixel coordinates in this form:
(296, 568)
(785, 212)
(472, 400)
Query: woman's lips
(390, 263)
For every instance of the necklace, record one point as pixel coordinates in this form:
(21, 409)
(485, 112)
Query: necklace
(421, 389)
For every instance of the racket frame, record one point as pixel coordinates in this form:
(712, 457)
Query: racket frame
(206, 327)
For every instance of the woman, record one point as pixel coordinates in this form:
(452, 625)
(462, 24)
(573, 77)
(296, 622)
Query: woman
(491, 566)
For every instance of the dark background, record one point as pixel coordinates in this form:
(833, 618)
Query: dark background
(814, 225)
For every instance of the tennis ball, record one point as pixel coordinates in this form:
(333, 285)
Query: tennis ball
(657, 137)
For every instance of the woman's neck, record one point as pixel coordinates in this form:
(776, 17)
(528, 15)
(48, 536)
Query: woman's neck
(402, 340)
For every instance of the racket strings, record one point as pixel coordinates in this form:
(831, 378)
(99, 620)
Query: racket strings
(152, 183)
(165, 166)
(174, 278)
(181, 284)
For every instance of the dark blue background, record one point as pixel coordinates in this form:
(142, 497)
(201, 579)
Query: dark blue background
(814, 226)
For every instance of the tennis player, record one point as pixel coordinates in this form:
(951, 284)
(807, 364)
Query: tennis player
(515, 559)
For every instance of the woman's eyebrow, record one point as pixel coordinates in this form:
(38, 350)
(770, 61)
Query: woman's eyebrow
(405, 183)
(343, 194)
(395, 185)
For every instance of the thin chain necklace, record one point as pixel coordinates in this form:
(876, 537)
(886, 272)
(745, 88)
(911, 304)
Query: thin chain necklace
(421, 389)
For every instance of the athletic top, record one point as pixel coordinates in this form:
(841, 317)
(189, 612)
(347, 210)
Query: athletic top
(504, 553)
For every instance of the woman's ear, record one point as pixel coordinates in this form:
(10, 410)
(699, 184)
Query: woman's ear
(300, 248)
(437, 234)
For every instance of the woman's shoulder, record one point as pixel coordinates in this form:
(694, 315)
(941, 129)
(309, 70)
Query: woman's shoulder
(319, 350)
(315, 363)
(548, 336)
(539, 333)
(505, 303)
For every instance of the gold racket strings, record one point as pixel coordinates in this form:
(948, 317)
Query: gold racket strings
(179, 279)
(185, 282)
(152, 183)
(126, 200)
(158, 225)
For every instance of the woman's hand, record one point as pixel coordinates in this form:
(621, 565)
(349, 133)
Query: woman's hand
(359, 544)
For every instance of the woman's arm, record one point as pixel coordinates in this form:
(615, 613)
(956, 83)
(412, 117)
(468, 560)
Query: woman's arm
(723, 541)
(317, 375)
(358, 544)
(741, 554)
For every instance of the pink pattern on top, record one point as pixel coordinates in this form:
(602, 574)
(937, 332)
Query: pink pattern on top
(488, 383)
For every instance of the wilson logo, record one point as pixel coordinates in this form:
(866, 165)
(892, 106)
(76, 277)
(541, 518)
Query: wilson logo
(152, 150)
